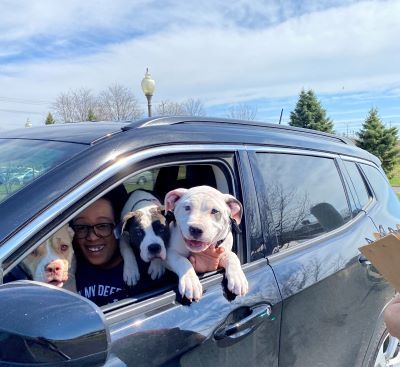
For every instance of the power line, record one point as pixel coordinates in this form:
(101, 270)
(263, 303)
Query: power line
(25, 101)
(21, 111)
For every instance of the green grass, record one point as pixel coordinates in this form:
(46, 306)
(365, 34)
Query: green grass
(395, 179)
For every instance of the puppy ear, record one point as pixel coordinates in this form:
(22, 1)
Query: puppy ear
(125, 219)
(172, 197)
(235, 206)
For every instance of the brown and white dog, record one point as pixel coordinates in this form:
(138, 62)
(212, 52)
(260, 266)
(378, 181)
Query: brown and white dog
(53, 261)
(143, 227)
(203, 219)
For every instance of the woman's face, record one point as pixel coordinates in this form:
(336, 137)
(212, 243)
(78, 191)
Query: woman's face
(98, 251)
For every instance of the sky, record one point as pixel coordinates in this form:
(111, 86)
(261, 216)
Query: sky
(252, 52)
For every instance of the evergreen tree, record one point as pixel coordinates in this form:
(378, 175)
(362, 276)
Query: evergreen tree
(50, 119)
(91, 116)
(378, 140)
(310, 114)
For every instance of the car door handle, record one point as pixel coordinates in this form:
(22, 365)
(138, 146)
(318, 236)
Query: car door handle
(235, 330)
(363, 260)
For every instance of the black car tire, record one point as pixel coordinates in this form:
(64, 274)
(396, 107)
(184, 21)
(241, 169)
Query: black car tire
(385, 350)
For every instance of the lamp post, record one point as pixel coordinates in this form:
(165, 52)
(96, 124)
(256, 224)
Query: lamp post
(148, 86)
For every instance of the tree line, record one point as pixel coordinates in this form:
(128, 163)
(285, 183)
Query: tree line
(118, 103)
(373, 136)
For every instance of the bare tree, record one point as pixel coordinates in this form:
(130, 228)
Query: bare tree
(84, 102)
(194, 107)
(242, 112)
(189, 107)
(118, 103)
(75, 105)
(63, 107)
(168, 108)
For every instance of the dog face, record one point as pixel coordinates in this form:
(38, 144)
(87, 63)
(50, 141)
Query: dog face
(203, 215)
(147, 228)
(51, 261)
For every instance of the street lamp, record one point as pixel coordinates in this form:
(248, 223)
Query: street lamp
(148, 86)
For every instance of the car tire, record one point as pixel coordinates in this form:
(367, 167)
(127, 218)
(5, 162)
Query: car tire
(386, 351)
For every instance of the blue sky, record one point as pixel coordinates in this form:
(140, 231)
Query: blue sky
(259, 53)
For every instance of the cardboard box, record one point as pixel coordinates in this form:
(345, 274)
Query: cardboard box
(384, 254)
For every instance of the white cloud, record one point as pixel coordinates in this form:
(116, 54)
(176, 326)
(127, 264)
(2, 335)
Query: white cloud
(204, 49)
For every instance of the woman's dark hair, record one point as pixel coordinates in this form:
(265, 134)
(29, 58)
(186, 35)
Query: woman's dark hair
(117, 197)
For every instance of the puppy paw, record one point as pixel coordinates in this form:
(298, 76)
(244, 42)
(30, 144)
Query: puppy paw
(131, 274)
(237, 282)
(190, 286)
(156, 269)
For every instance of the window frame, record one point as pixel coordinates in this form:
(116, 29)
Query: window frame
(117, 174)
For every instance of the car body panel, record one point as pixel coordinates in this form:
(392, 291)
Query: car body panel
(164, 333)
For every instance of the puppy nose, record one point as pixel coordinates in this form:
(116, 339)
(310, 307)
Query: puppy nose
(195, 232)
(154, 248)
(53, 268)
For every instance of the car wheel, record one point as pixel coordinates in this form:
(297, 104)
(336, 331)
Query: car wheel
(386, 352)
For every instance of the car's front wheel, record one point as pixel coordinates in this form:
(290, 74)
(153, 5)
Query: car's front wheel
(386, 352)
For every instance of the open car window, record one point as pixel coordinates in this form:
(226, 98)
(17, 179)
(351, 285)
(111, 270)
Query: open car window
(159, 181)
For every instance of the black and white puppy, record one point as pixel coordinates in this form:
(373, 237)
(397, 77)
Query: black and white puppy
(145, 228)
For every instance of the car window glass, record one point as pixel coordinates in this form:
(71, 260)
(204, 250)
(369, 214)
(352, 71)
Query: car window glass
(381, 187)
(305, 194)
(358, 183)
(22, 161)
(143, 180)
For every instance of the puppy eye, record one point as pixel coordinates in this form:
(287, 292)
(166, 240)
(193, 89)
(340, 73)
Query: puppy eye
(35, 253)
(214, 211)
(64, 247)
(187, 208)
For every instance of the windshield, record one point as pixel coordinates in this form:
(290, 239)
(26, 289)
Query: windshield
(22, 161)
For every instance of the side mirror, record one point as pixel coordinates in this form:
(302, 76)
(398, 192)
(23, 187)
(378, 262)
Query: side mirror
(43, 324)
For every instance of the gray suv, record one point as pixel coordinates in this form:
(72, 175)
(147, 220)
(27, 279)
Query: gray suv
(310, 200)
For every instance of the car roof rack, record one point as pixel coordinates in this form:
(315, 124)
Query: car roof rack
(174, 120)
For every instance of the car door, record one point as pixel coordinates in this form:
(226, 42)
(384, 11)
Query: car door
(330, 300)
(159, 328)
(219, 329)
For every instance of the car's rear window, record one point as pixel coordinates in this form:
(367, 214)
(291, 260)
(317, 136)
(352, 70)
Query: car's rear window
(22, 161)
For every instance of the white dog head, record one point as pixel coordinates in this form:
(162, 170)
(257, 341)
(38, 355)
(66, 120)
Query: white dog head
(203, 215)
(51, 261)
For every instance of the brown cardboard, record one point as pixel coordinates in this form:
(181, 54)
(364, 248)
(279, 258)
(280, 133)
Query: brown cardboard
(384, 254)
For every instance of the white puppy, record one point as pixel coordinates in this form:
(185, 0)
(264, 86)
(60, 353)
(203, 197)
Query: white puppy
(53, 262)
(143, 227)
(203, 216)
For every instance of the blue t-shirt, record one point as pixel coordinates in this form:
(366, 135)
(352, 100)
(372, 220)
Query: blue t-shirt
(101, 286)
